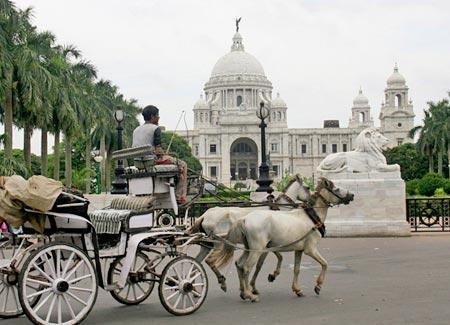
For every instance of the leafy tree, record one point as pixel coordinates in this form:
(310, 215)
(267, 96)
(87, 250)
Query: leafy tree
(412, 163)
(180, 149)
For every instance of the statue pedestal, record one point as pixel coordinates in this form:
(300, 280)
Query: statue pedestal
(378, 209)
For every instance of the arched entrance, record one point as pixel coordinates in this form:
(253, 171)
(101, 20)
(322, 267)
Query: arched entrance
(243, 159)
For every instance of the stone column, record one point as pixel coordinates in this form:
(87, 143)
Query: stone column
(225, 150)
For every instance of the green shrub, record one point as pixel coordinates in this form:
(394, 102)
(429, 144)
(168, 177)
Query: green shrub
(446, 186)
(411, 186)
(439, 192)
(429, 183)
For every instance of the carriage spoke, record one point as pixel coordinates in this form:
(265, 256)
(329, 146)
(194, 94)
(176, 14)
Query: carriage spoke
(128, 292)
(177, 274)
(66, 268)
(59, 310)
(52, 270)
(191, 299)
(47, 284)
(16, 297)
(42, 272)
(81, 289)
(198, 284)
(173, 279)
(50, 309)
(38, 293)
(195, 293)
(6, 299)
(195, 277)
(134, 292)
(58, 263)
(140, 288)
(76, 298)
(80, 278)
(72, 314)
(178, 300)
(172, 295)
(75, 268)
(42, 303)
(171, 288)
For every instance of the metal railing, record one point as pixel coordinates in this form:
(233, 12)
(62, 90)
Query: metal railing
(429, 214)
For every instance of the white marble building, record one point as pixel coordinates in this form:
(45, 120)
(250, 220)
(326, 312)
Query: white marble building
(226, 136)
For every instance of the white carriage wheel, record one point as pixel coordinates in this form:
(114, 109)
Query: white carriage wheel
(183, 286)
(68, 285)
(9, 293)
(140, 281)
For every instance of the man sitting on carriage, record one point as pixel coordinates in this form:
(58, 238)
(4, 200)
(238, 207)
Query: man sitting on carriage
(150, 134)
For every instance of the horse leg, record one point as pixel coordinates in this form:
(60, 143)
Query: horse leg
(220, 277)
(204, 251)
(295, 287)
(277, 271)
(314, 253)
(239, 267)
(255, 274)
(247, 267)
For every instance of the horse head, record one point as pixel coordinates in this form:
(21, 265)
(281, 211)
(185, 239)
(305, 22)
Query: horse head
(332, 194)
(296, 191)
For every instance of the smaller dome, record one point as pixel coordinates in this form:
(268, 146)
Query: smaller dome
(396, 78)
(201, 103)
(360, 99)
(278, 102)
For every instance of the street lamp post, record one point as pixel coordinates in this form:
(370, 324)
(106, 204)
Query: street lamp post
(119, 185)
(264, 179)
(98, 159)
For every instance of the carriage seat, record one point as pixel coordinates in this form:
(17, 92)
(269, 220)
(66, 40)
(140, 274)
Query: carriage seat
(124, 213)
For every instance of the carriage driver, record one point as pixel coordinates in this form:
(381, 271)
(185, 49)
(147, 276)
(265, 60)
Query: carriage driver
(150, 134)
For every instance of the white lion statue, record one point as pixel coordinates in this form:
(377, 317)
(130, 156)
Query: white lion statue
(366, 157)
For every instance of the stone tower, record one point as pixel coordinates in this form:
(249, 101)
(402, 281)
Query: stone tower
(397, 115)
(360, 112)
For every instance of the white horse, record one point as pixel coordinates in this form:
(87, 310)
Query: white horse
(281, 231)
(219, 220)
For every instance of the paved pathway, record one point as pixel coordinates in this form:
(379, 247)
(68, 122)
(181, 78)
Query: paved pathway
(370, 281)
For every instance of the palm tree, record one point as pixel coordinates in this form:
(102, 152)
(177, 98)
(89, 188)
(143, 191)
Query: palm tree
(424, 143)
(434, 135)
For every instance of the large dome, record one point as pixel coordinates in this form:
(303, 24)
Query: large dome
(237, 61)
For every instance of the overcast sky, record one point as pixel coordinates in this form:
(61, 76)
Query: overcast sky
(316, 53)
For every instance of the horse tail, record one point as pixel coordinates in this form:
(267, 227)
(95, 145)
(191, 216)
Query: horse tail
(196, 227)
(222, 256)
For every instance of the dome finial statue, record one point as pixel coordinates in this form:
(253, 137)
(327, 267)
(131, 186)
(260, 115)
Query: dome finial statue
(238, 20)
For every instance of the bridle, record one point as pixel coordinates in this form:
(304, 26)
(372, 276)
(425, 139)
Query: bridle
(328, 203)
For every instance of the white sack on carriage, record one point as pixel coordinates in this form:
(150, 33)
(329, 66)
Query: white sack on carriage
(38, 193)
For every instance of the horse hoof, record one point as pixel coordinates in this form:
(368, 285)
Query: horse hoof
(271, 278)
(255, 299)
(299, 293)
(255, 292)
(317, 290)
(242, 296)
(223, 287)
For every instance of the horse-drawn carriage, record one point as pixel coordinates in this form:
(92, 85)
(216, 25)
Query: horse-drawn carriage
(53, 276)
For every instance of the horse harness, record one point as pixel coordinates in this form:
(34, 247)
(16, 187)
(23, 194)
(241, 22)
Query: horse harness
(307, 207)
